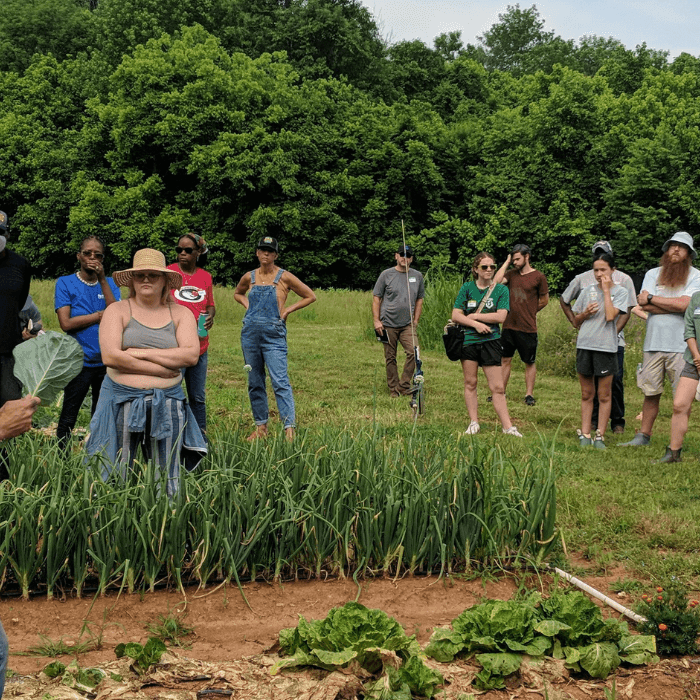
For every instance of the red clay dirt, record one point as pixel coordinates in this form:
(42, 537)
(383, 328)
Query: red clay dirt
(226, 631)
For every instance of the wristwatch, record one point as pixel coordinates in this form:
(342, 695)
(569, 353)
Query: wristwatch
(649, 298)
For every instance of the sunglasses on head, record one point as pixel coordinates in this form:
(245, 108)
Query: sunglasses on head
(179, 249)
(92, 254)
(487, 267)
(141, 276)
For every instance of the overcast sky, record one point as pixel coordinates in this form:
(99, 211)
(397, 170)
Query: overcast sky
(672, 25)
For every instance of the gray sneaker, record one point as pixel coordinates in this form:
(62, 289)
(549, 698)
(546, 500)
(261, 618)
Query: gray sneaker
(639, 440)
(583, 440)
(599, 441)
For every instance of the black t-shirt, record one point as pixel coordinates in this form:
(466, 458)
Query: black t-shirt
(15, 276)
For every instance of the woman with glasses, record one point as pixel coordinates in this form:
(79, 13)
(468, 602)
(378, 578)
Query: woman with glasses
(482, 344)
(146, 341)
(80, 301)
(196, 293)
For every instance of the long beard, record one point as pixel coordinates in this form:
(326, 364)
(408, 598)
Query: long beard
(673, 274)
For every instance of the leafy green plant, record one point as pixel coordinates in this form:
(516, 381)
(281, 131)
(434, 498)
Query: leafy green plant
(566, 626)
(354, 633)
(672, 619)
(143, 656)
(170, 628)
(47, 364)
(51, 647)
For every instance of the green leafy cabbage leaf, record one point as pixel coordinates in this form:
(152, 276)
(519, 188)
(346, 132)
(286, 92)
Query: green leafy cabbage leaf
(46, 364)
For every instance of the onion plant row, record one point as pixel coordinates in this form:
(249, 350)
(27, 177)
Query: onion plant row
(337, 503)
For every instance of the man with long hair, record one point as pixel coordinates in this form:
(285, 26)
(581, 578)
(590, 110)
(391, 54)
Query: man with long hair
(665, 295)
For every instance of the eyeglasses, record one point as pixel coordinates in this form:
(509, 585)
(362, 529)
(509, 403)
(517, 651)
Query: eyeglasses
(92, 254)
(141, 276)
(487, 267)
(180, 249)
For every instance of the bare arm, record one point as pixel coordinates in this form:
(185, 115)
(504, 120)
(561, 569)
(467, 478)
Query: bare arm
(663, 305)
(241, 288)
(376, 308)
(637, 311)
(211, 310)
(693, 347)
(622, 319)
(566, 308)
(186, 354)
(111, 331)
(300, 289)
(418, 311)
(458, 316)
(542, 302)
(498, 278)
(76, 323)
(493, 317)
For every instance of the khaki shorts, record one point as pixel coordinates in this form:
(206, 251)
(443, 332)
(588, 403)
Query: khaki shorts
(656, 366)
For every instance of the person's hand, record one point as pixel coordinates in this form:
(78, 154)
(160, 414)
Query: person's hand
(696, 362)
(165, 372)
(606, 283)
(591, 309)
(643, 297)
(283, 315)
(209, 323)
(16, 416)
(379, 326)
(26, 335)
(97, 267)
(480, 327)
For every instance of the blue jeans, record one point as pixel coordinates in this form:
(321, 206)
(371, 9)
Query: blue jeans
(73, 396)
(196, 383)
(265, 345)
(4, 652)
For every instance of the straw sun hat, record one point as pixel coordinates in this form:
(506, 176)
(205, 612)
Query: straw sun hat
(149, 260)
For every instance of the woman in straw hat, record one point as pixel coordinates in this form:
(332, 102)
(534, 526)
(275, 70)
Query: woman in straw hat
(145, 343)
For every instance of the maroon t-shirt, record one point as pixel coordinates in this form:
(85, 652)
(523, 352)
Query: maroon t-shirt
(525, 291)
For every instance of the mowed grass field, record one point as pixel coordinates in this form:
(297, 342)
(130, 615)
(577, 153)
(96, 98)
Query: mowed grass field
(614, 506)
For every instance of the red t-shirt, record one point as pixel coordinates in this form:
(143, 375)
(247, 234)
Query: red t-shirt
(525, 291)
(196, 294)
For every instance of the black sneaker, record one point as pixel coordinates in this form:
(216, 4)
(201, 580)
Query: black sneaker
(530, 400)
(489, 399)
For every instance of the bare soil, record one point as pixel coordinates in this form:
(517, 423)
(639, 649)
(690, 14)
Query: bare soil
(228, 635)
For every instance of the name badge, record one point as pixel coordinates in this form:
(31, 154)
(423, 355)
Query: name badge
(696, 312)
(411, 279)
(471, 304)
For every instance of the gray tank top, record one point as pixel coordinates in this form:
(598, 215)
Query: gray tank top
(136, 335)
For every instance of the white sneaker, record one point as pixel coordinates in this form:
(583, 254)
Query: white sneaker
(512, 431)
(473, 428)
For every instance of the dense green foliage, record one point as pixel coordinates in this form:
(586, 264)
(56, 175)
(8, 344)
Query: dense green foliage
(138, 121)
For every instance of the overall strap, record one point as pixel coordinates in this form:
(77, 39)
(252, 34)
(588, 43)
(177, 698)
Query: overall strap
(277, 276)
(252, 276)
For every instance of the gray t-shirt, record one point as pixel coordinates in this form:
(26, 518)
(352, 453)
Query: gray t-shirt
(587, 278)
(596, 333)
(665, 331)
(392, 288)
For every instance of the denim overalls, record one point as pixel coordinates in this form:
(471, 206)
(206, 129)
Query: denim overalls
(264, 343)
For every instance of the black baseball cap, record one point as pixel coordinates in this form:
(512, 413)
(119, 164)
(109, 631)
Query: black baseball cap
(405, 251)
(268, 243)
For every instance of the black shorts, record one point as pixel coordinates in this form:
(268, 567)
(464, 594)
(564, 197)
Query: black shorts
(690, 371)
(487, 354)
(593, 363)
(524, 343)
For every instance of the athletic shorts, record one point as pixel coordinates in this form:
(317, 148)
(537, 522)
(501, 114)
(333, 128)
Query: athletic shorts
(486, 354)
(524, 343)
(656, 366)
(593, 363)
(690, 371)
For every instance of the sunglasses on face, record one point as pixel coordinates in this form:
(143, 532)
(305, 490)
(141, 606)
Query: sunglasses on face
(487, 267)
(180, 249)
(92, 254)
(141, 276)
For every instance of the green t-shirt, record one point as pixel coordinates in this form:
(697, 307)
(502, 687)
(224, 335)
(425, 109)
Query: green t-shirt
(468, 301)
(692, 324)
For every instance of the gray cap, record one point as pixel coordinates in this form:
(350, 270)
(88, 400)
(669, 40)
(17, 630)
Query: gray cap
(602, 245)
(683, 238)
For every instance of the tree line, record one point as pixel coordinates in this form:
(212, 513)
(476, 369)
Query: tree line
(139, 119)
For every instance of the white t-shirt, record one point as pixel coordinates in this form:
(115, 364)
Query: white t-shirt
(665, 331)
